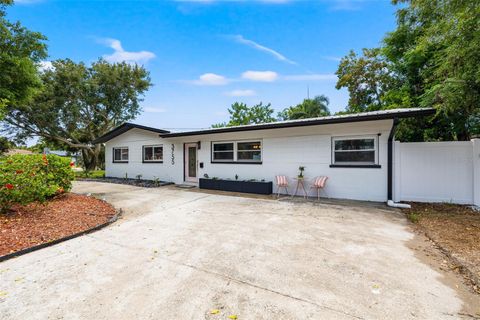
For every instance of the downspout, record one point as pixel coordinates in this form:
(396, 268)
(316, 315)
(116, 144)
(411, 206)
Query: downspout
(390, 201)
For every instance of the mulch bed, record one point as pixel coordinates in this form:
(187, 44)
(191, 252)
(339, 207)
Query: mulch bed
(131, 182)
(456, 230)
(36, 223)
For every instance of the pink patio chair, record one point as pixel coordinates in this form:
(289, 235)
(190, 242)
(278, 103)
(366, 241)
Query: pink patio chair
(319, 183)
(282, 182)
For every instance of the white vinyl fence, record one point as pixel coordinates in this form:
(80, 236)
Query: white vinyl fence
(437, 172)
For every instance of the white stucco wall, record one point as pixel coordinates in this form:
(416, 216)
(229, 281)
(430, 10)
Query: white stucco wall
(134, 139)
(283, 151)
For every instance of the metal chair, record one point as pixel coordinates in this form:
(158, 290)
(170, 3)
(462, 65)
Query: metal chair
(319, 183)
(282, 182)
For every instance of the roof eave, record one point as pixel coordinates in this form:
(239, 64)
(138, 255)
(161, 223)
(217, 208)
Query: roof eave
(124, 128)
(353, 118)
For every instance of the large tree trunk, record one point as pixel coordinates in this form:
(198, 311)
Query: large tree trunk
(92, 157)
(89, 159)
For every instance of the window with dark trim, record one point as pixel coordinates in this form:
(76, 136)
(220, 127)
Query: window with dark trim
(153, 153)
(223, 151)
(355, 151)
(237, 151)
(249, 151)
(120, 154)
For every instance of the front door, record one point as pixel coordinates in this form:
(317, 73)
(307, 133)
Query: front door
(191, 162)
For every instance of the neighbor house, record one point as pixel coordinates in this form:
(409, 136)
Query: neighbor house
(355, 151)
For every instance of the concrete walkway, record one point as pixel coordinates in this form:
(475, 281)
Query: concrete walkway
(179, 254)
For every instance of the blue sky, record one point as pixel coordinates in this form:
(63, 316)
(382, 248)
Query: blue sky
(204, 55)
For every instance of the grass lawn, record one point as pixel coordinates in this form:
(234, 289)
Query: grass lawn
(96, 174)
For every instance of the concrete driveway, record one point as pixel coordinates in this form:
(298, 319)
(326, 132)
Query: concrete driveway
(179, 254)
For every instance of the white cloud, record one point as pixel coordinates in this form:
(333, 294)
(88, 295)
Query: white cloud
(259, 47)
(265, 76)
(311, 77)
(45, 65)
(120, 55)
(154, 110)
(241, 93)
(211, 79)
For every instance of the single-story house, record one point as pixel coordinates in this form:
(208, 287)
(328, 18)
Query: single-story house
(74, 156)
(354, 150)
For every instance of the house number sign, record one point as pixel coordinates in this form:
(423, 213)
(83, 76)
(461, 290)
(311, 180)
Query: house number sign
(173, 154)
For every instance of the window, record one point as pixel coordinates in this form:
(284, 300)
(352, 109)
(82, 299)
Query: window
(237, 151)
(355, 150)
(223, 151)
(249, 151)
(120, 154)
(153, 153)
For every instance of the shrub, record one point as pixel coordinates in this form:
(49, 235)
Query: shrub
(413, 216)
(28, 178)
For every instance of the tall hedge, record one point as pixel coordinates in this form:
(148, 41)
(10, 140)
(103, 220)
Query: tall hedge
(29, 178)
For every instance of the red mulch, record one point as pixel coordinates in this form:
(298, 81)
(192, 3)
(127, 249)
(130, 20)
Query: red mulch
(36, 223)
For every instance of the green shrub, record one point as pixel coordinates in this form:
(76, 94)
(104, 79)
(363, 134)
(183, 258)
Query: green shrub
(28, 178)
(413, 216)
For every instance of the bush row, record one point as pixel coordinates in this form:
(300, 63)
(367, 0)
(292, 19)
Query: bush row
(28, 178)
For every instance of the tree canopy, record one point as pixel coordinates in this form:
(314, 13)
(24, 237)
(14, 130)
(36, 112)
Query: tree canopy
(429, 60)
(79, 103)
(20, 52)
(241, 114)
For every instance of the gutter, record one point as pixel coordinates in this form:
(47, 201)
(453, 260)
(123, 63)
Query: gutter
(404, 113)
(390, 201)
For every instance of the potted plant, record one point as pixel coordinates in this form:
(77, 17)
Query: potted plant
(300, 175)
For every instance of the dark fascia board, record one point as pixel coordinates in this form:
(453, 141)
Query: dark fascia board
(124, 128)
(404, 113)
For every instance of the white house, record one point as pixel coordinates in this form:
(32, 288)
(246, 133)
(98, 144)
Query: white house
(355, 151)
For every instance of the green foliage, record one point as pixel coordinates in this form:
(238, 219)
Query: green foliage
(29, 178)
(5, 145)
(79, 103)
(367, 79)
(20, 51)
(309, 108)
(241, 114)
(429, 60)
(94, 174)
(413, 216)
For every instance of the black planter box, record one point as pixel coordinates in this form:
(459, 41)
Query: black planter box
(258, 187)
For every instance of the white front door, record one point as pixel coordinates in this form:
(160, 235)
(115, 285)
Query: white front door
(191, 169)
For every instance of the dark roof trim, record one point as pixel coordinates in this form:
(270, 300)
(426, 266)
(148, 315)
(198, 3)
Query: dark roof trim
(366, 116)
(124, 128)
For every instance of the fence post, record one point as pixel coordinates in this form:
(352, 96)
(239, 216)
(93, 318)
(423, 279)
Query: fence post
(476, 171)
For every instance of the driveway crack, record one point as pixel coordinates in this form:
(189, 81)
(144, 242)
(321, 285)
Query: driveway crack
(229, 278)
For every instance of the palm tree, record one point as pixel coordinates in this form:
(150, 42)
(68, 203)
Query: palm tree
(310, 108)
